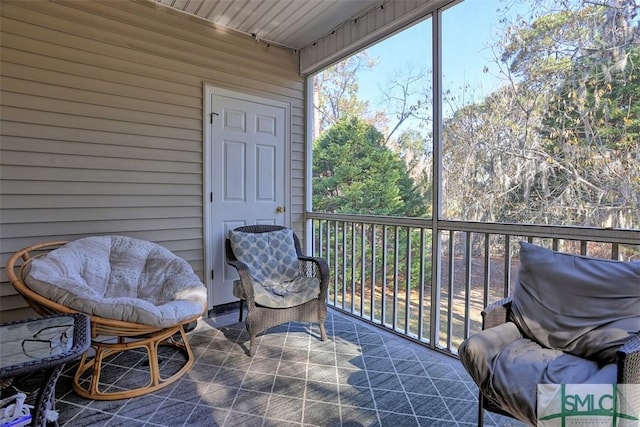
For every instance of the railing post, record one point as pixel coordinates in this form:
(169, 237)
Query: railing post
(507, 266)
(421, 289)
(452, 273)
(467, 284)
(396, 257)
(363, 274)
(374, 256)
(487, 270)
(383, 311)
(407, 302)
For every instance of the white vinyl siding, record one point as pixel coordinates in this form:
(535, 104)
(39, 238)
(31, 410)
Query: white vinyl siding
(101, 122)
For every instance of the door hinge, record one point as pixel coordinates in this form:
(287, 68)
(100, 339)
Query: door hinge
(211, 196)
(213, 275)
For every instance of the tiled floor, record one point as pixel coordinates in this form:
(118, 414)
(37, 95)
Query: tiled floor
(361, 376)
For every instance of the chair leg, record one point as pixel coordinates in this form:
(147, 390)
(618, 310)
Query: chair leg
(252, 345)
(480, 411)
(323, 332)
(241, 303)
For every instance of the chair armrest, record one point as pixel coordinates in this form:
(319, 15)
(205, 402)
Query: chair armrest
(496, 313)
(245, 278)
(629, 361)
(320, 269)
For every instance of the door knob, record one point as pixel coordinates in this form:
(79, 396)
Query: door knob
(280, 209)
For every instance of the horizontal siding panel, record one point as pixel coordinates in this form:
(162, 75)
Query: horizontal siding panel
(82, 109)
(127, 69)
(95, 123)
(160, 66)
(34, 173)
(6, 290)
(88, 188)
(46, 132)
(90, 148)
(15, 308)
(18, 201)
(16, 216)
(96, 77)
(158, 44)
(122, 225)
(163, 237)
(113, 70)
(188, 249)
(11, 315)
(297, 159)
(76, 87)
(197, 32)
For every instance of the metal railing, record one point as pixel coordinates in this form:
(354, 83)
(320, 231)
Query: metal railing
(428, 281)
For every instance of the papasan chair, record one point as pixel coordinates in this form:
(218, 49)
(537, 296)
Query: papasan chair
(138, 295)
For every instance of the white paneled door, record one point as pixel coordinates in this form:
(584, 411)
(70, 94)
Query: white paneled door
(248, 146)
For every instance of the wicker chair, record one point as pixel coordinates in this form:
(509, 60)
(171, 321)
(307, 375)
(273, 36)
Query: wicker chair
(512, 326)
(180, 302)
(261, 317)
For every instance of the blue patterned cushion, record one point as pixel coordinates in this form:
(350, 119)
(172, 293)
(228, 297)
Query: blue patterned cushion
(273, 263)
(271, 257)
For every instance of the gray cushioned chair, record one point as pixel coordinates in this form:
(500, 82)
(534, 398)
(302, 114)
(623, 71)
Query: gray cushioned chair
(571, 320)
(278, 282)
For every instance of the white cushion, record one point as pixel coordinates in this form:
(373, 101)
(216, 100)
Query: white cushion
(120, 278)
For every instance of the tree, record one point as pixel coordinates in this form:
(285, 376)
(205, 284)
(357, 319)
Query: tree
(354, 172)
(335, 92)
(560, 143)
(584, 64)
(409, 101)
(407, 97)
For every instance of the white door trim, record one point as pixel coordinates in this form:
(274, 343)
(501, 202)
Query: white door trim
(208, 91)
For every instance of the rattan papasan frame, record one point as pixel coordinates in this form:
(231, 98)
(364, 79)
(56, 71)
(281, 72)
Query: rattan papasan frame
(124, 335)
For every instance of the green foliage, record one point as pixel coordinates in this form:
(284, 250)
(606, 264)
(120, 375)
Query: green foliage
(597, 108)
(354, 172)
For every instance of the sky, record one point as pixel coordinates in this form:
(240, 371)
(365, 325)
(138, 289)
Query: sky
(468, 29)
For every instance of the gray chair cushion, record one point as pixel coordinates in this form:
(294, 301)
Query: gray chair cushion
(120, 278)
(274, 267)
(508, 367)
(288, 294)
(581, 305)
